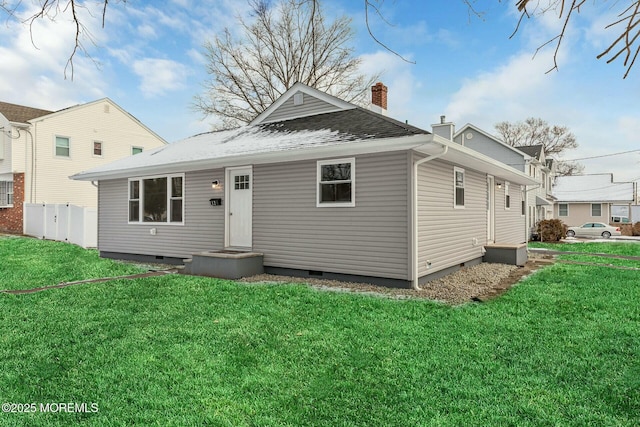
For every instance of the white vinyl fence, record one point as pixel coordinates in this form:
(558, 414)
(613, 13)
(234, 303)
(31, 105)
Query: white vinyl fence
(66, 223)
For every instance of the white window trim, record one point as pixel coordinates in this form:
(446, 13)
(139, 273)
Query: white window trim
(319, 164)
(596, 216)
(559, 214)
(506, 194)
(101, 149)
(55, 145)
(141, 199)
(464, 183)
(7, 185)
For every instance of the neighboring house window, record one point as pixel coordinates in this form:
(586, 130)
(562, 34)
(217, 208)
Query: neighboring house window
(544, 180)
(62, 146)
(507, 197)
(336, 182)
(458, 187)
(136, 150)
(563, 209)
(97, 148)
(596, 209)
(6, 193)
(156, 199)
(523, 204)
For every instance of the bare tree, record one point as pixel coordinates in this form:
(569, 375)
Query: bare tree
(556, 140)
(626, 45)
(569, 168)
(50, 9)
(286, 43)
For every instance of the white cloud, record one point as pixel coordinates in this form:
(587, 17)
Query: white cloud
(34, 62)
(509, 92)
(397, 75)
(160, 76)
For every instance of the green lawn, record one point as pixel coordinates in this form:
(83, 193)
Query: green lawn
(27, 263)
(618, 248)
(561, 348)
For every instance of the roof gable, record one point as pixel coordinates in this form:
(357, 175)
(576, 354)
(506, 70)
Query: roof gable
(20, 113)
(535, 151)
(459, 136)
(92, 103)
(301, 100)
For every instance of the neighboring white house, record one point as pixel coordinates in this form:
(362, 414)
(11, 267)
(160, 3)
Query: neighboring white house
(589, 198)
(40, 149)
(530, 160)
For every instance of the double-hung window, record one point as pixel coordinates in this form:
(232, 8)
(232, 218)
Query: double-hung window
(62, 147)
(6, 194)
(157, 199)
(507, 196)
(596, 209)
(97, 148)
(563, 209)
(458, 187)
(336, 182)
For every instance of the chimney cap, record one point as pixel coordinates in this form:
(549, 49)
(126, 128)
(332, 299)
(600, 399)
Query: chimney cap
(442, 119)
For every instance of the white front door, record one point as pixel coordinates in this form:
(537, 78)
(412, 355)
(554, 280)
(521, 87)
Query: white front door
(491, 233)
(239, 207)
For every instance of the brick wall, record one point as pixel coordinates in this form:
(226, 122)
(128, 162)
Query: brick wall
(11, 218)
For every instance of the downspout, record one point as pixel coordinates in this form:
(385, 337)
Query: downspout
(26, 160)
(414, 220)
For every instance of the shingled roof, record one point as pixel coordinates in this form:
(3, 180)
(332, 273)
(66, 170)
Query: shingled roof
(532, 150)
(21, 113)
(352, 124)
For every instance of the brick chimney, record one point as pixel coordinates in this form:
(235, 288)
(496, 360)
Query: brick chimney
(379, 95)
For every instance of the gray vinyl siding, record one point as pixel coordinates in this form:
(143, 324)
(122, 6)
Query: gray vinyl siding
(203, 227)
(493, 149)
(445, 234)
(310, 106)
(369, 239)
(510, 223)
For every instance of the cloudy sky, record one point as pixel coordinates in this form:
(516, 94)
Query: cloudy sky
(148, 58)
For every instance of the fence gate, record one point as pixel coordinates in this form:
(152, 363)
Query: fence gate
(62, 222)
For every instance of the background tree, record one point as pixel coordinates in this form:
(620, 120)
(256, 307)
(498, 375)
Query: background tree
(555, 139)
(286, 43)
(626, 44)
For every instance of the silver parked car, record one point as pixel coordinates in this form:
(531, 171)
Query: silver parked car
(594, 229)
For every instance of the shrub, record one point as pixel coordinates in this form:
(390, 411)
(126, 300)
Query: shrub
(551, 230)
(636, 229)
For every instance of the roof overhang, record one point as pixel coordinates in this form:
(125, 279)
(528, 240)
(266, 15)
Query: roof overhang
(468, 158)
(426, 144)
(541, 201)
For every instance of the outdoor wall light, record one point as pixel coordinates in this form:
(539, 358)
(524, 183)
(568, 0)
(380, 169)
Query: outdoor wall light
(215, 184)
(499, 185)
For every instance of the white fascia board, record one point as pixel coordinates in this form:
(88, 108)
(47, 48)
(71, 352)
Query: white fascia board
(463, 156)
(317, 152)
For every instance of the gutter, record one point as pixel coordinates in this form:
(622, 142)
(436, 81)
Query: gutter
(414, 217)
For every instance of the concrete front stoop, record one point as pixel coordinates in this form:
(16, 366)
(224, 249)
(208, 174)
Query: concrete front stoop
(225, 264)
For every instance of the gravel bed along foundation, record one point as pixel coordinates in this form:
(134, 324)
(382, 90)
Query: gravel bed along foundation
(476, 283)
